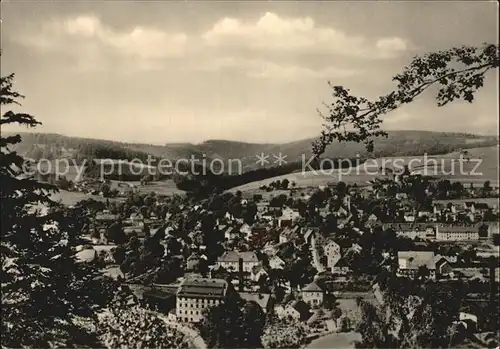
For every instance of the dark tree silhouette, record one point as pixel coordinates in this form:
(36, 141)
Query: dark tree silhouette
(43, 286)
(236, 323)
(457, 72)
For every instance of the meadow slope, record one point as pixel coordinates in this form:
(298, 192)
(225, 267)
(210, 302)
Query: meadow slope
(398, 143)
(446, 166)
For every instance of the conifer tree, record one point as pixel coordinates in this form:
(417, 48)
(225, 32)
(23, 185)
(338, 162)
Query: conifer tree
(45, 292)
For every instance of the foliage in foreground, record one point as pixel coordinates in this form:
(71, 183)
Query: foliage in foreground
(235, 323)
(284, 335)
(414, 314)
(137, 328)
(45, 291)
(457, 73)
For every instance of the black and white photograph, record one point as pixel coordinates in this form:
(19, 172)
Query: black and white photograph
(249, 174)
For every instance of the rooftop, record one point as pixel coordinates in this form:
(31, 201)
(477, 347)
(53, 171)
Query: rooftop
(301, 307)
(234, 256)
(481, 206)
(106, 217)
(458, 229)
(312, 287)
(203, 288)
(261, 299)
(155, 293)
(167, 288)
(408, 226)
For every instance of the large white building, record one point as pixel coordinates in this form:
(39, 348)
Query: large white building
(195, 295)
(457, 233)
(413, 231)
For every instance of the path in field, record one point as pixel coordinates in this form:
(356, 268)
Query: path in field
(194, 336)
(335, 341)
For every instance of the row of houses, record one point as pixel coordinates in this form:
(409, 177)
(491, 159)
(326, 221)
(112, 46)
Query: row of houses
(186, 301)
(445, 232)
(411, 263)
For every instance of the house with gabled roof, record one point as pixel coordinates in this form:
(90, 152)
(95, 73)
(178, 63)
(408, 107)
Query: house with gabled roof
(257, 273)
(289, 234)
(276, 262)
(264, 300)
(259, 234)
(443, 266)
(312, 294)
(340, 267)
(230, 261)
(470, 205)
(288, 216)
(308, 232)
(230, 233)
(297, 310)
(192, 262)
(246, 230)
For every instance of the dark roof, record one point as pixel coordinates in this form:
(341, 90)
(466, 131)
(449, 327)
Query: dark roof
(481, 206)
(261, 299)
(259, 227)
(458, 228)
(155, 293)
(341, 263)
(203, 288)
(301, 307)
(440, 261)
(312, 287)
(169, 288)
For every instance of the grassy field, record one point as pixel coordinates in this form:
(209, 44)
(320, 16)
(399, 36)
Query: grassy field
(166, 188)
(482, 166)
(160, 188)
(488, 201)
(70, 198)
(63, 167)
(335, 340)
(446, 166)
(314, 179)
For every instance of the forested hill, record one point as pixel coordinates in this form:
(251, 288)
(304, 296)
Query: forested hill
(398, 143)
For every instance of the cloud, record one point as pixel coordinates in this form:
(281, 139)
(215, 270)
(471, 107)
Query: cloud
(264, 69)
(290, 72)
(272, 32)
(392, 44)
(91, 42)
(94, 45)
(397, 119)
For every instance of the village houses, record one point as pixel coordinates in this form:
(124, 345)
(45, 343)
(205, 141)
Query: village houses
(312, 294)
(229, 260)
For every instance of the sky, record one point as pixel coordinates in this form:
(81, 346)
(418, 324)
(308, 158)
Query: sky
(163, 72)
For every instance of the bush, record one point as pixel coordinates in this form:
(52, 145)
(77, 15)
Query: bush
(137, 328)
(284, 335)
